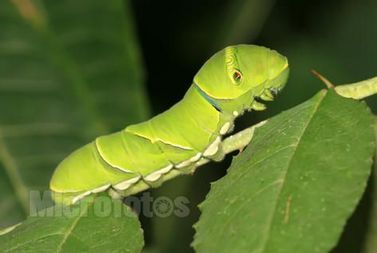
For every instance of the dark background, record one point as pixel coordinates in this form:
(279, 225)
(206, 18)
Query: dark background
(337, 38)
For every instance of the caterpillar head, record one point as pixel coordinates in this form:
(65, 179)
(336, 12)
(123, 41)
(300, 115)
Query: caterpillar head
(243, 69)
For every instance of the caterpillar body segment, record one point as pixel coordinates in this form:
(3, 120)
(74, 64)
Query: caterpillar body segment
(178, 140)
(177, 126)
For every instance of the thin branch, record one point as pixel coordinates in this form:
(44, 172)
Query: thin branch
(328, 84)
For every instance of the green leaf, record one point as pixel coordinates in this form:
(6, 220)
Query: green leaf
(371, 240)
(95, 225)
(69, 71)
(295, 186)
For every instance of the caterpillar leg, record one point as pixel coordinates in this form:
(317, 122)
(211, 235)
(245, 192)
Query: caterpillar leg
(143, 184)
(214, 152)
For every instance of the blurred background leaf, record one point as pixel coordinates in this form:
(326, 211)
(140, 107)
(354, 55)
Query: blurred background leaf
(69, 71)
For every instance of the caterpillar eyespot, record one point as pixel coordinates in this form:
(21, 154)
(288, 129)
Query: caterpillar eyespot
(237, 76)
(178, 140)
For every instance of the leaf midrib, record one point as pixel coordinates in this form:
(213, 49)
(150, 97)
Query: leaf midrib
(71, 228)
(13, 173)
(273, 214)
(65, 234)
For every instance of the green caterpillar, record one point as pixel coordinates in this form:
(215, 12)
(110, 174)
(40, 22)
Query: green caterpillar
(178, 140)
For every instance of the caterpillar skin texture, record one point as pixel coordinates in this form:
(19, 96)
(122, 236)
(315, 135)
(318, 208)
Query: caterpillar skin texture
(175, 142)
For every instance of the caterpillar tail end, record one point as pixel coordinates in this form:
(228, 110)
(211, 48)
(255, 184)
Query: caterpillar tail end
(78, 176)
